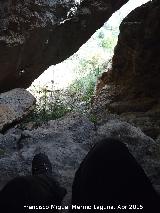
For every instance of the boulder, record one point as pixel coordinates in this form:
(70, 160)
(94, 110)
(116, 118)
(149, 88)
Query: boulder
(14, 105)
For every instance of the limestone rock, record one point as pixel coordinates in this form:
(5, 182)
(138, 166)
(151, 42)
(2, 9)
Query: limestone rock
(14, 105)
(37, 34)
(133, 80)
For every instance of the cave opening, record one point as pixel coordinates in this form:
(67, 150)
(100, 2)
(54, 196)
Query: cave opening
(70, 85)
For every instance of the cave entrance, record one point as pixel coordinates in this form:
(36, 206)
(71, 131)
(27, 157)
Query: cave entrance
(69, 86)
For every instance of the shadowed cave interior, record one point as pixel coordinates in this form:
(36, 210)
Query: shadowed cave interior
(126, 100)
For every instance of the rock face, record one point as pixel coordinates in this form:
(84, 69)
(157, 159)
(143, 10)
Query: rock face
(131, 88)
(37, 34)
(14, 105)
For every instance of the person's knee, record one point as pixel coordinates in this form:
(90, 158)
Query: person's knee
(110, 145)
(110, 172)
(31, 190)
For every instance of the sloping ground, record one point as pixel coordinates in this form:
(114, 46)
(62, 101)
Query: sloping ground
(66, 141)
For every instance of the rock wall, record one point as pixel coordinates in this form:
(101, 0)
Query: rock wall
(131, 88)
(37, 34)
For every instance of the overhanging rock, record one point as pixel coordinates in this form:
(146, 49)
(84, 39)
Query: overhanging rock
(37, 34)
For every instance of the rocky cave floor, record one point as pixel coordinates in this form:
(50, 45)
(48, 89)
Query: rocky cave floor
(66, 141)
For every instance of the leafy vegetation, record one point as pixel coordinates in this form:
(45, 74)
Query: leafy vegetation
(84, 85)
(109, 41)
(50, 105)
(2, 152)
(53, 103)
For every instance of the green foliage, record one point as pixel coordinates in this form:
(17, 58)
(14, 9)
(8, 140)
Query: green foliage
(53, 104)
(93, 118)
(101, 35)
(84, 85)
(2, 152)
(109, 41)
(50, 105)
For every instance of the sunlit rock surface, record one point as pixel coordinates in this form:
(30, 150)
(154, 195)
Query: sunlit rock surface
(37, 34)
(15, 105)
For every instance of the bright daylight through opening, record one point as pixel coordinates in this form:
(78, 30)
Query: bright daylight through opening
(70, 85)
(95, 47)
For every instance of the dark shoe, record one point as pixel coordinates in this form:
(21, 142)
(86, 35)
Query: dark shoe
(41, 165)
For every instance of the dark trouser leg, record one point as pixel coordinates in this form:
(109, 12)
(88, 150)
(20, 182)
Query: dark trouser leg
(109, 175)
(35, 190)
